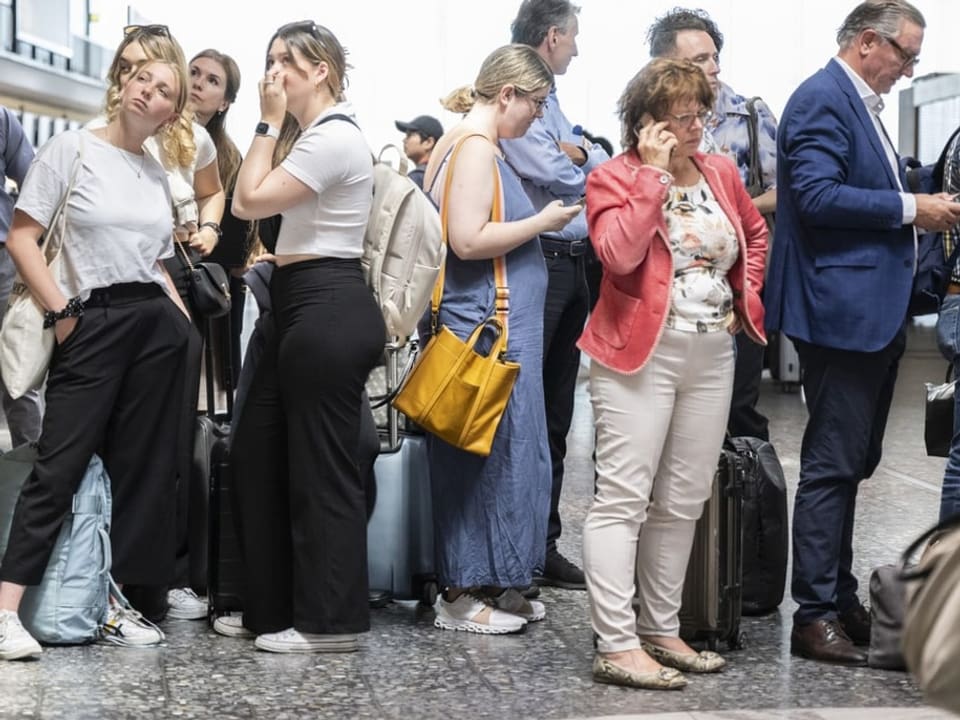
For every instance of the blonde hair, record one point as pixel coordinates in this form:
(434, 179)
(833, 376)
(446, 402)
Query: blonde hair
(176, 138)
(317, 44)
(517, 65)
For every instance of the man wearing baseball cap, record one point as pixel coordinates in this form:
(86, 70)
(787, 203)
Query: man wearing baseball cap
(421, 135)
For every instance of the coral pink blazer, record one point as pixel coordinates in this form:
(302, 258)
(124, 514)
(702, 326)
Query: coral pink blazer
(629, 232)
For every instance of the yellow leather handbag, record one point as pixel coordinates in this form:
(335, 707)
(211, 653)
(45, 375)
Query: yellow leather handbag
(454, 391)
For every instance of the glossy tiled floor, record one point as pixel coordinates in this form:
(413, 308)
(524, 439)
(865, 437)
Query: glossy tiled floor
(407, 669)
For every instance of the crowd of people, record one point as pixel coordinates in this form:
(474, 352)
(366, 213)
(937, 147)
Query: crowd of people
(674, 327)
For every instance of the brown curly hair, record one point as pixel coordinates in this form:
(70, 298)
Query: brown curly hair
(653, 90)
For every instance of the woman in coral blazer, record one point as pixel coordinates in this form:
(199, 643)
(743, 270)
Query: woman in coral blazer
(683, 252)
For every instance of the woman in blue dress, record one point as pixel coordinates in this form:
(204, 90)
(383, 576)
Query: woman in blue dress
(490, 513)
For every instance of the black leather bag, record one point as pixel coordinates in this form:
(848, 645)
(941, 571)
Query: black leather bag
(766, 538)
(208, 287)
(888, 597)
(938, 417)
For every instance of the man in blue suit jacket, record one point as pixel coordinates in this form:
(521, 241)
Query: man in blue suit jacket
(839, 283)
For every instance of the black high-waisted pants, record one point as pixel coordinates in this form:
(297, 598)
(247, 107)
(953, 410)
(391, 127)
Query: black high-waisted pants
(299, 500)
(114, 389)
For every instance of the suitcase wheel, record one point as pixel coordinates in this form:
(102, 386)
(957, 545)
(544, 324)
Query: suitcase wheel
(429, 593)
(737, 641)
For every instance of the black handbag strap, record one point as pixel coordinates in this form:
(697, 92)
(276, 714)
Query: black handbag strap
(754, 170)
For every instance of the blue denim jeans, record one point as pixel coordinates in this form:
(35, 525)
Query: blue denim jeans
(948, 340)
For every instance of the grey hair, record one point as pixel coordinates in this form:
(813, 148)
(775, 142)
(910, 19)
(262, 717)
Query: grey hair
(884, 16)
(536, 17)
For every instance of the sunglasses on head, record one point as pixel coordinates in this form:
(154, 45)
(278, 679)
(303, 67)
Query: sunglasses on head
(307, 26)
(159, 30)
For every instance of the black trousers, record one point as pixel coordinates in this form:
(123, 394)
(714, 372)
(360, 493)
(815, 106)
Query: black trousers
(300, 501)
(186, 428)
(745, 420)
(848, 398)
(109, 392)
(564, 313)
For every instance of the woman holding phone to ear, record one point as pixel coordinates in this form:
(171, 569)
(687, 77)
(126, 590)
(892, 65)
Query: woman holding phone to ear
(683, 251)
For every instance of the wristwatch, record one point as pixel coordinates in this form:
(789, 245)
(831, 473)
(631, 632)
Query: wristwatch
(268, 130)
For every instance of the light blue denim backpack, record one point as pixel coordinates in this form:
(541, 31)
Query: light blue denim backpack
(70, 604)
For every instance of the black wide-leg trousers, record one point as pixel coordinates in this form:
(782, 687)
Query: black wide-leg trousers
(300, 501)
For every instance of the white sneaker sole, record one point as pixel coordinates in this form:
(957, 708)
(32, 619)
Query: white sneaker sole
(184, 614)
(446, 623)
(274, 646)
(232, 631)
(21, 653)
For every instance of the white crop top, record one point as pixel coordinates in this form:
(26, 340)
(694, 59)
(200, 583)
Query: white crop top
(334, 161)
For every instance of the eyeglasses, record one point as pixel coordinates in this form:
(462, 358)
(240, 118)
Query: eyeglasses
(158, 30)
(538, 103)
(908, 58)
(687, 119)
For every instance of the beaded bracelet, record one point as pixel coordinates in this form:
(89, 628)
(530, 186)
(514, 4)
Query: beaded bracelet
(213, 226)
(74, 308)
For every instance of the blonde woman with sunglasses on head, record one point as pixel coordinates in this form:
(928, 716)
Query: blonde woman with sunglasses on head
(299, 496)
(121, 334)
(189, 156)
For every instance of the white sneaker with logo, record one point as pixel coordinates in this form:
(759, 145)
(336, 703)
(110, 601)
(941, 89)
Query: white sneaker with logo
(294, 641)
(15, 642)
(185, 604)
(472, 612)
(125, 626)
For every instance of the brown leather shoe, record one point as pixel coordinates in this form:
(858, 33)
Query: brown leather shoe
(824, 640)
(856, 624)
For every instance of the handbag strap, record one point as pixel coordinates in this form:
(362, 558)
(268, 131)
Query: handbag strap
(52, 241)
(754, 170)
(186, 255)
(910, 572)
(502, 296)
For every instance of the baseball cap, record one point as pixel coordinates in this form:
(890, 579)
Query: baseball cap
(426, 125)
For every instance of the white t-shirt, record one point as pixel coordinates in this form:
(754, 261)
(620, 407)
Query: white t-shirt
(180, 178)
(118, 225)
(334, 161)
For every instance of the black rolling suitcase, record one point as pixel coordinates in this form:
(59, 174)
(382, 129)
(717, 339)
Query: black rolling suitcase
(712, 590)
(212, 430)
(400, 560)
(766, 538)
(225, 568)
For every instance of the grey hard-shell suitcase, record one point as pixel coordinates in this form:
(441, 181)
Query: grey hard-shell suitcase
(784, 361)
(712, 590)
(400, 557)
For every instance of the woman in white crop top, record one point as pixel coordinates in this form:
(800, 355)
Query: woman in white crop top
(298, 492)
(121, 334)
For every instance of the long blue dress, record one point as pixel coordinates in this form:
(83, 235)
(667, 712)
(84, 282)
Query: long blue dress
(490, 514)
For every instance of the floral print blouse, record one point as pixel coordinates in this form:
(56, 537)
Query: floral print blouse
(704, 247)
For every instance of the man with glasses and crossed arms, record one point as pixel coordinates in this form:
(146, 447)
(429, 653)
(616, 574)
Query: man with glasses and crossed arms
(684, 34)
(553, 162)
(839, 284)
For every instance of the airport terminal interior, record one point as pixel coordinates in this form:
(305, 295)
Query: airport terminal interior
(408, 669)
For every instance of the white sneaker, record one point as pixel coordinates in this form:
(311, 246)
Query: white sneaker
(461, 614)
(511, 601)
(15, 641)
(186, 605)
(232, 626)
(125, 626)
(294, 641)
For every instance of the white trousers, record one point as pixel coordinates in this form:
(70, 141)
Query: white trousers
(659, 435)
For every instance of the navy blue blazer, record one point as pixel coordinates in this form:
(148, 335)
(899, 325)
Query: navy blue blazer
(841, 268)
